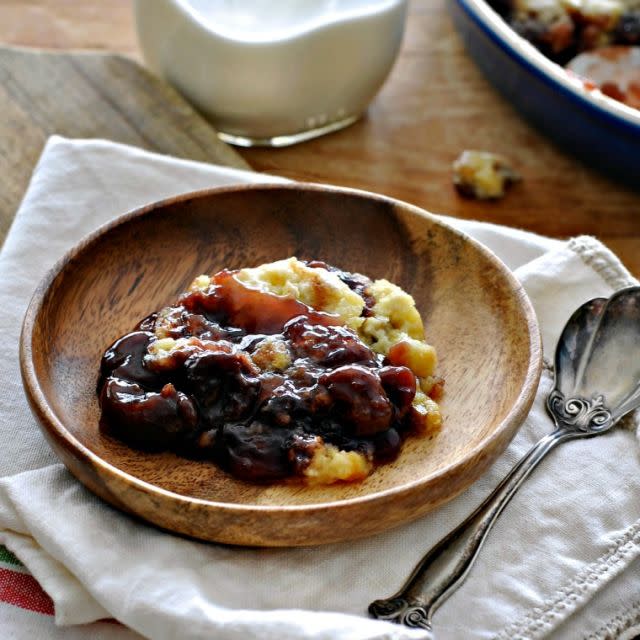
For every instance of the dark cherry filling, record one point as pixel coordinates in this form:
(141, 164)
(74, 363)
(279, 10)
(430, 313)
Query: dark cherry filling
(573, 32)
(209, 399)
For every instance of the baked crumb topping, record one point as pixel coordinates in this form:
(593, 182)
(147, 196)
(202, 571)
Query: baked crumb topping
(483, 175)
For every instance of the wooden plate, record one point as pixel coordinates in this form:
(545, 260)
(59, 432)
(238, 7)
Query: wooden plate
(475, 311)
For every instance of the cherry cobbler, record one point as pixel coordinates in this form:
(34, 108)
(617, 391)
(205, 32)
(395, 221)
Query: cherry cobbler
(288, 370)
(598, 41)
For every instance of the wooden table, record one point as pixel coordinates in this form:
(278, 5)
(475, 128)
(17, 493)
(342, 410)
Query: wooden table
(435, 104)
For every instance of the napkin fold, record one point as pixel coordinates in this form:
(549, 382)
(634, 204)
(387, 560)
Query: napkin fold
(563, 560)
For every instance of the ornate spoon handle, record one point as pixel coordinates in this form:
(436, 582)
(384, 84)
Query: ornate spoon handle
(445, 566)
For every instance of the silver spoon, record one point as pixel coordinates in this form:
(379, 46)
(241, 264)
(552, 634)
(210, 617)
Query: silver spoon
(597, 382)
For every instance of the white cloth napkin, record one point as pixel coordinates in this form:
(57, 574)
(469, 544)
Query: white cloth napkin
(562, 561)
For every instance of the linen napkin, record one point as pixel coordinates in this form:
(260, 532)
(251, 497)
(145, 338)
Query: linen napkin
(563, 560)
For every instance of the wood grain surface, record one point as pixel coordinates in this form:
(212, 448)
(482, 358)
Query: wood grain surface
(490, 356)
(435, 104)
(86, 95)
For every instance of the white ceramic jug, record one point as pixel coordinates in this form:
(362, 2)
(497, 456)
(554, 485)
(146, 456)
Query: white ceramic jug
(273, 72)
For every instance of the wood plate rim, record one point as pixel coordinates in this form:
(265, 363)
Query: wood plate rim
(54, 428)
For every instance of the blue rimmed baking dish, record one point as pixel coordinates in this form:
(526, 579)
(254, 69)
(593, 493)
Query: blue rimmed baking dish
(602, 132)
